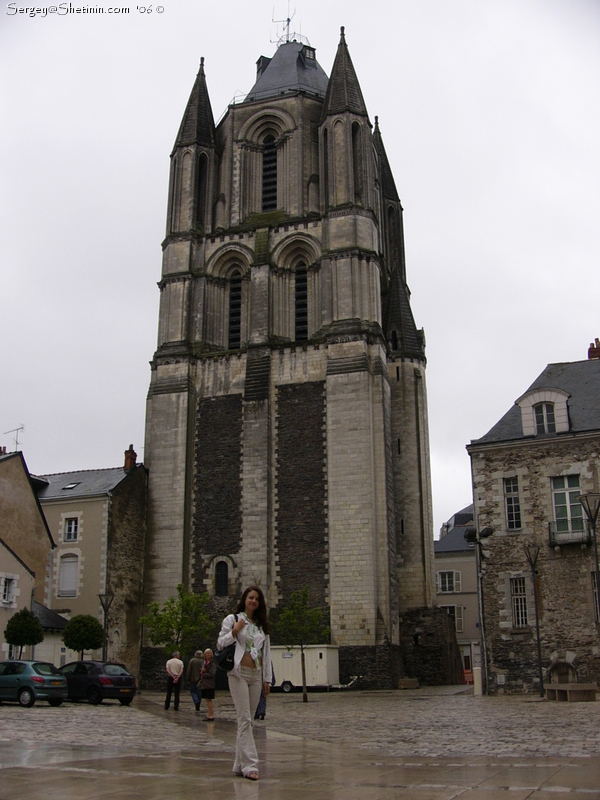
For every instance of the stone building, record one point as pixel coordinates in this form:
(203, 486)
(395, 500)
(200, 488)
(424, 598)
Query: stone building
(287, 433)
(97, 519)
(528, 472)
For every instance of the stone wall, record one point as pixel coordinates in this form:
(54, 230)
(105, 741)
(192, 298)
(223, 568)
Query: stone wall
(377, 667)
(301, 524)
(217, 520)
(429, 648)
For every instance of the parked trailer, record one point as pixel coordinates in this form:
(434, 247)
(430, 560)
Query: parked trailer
(322, 666)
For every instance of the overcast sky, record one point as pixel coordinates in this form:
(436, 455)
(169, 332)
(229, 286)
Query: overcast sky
(490, 115)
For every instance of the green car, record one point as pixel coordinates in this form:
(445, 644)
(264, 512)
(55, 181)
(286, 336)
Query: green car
(28, 681)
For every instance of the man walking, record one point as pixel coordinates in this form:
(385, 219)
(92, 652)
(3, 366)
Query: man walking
(194, 671)
(175, 673)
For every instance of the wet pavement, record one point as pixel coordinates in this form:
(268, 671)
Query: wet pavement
(422, 744)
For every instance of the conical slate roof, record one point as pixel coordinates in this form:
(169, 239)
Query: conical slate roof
(397, 315)
(293, 68)
(386, 177)
(197, 125)
(343, 90)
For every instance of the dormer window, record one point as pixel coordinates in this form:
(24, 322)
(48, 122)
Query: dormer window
(544, 411)
(544, 418)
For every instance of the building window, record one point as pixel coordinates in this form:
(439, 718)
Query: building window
(235, 311)
(595, 597)
(544, 418)
(71, 527)
(518, 596)
(568, 512)
(513, 507)
(8, 591)
(301, 300)
(269, 187)
(448, 582)
(68, 576)
(221, 579)
(456, 615)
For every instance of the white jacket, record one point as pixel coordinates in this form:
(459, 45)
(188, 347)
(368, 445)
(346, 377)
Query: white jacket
(261, 640)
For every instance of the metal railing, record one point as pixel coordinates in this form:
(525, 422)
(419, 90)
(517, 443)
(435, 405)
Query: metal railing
(568, 532)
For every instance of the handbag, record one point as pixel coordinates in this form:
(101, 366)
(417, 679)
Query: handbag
(224, 658)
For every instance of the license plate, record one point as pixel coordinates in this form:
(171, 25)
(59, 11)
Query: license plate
(125, 690)
(56, 683)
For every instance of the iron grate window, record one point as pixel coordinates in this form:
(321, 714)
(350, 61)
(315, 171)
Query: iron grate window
(269, 188)
(235, 311)
(221, 579)
(518, 594)
(301, 302)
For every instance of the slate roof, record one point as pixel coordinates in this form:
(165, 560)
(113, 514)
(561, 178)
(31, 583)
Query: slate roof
(580, 379)
(387, 179)
(197, 125)
(397, 314)
(453, 542)
(48, 619)
(89, 483)
(289, 71)
(343, 89)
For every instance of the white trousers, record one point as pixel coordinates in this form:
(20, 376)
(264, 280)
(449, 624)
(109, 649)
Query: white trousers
(245, 692)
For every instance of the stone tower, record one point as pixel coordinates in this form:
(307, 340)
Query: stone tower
(287, 435)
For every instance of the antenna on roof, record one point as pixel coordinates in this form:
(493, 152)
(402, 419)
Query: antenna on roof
(287, 35)
(16, 438)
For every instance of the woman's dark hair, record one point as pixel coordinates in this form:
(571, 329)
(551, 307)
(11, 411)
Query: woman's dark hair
(260, 615)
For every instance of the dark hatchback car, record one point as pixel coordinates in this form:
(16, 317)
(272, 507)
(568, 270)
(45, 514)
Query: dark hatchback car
(96, 681)
(28, 681)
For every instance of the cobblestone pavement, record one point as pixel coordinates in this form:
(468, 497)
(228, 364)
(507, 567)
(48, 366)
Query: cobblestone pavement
(422, 745)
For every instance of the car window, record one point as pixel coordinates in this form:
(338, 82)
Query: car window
(68, 669)
(42, 668)
(81, 669)
(19, 669)
(115, 669)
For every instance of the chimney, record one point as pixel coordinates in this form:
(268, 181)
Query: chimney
(594, 350)
(130, 458)
(3, 450)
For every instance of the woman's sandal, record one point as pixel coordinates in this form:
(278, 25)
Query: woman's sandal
(252, 776)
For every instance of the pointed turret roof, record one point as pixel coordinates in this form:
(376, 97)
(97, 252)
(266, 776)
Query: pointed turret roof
(197, 125)
(343, 90)
(397, 315)
(387, 179)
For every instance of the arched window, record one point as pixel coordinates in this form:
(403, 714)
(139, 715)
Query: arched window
(68, 576)
(301, 301)
(221, 579)
(357, 162)
(235, 310)
(269, 187)
(201, 192)
(394, 340)
(544, 418)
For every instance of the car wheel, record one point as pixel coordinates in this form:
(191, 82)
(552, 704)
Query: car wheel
(94, 696)
(125, 701)
(26, 698)
(287, 686)
(55, 702)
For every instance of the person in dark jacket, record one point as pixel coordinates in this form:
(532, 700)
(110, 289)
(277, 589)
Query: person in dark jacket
(207, 682)
(194, 671)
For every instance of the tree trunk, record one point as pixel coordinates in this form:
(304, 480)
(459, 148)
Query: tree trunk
(304, 691)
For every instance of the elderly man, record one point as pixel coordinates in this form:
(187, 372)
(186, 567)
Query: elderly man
(175, 673)
(194, 671)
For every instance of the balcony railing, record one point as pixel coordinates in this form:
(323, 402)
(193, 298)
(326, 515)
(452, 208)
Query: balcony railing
(568, 532)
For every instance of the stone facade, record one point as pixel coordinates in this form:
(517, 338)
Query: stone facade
(287, 435)
(526, 480)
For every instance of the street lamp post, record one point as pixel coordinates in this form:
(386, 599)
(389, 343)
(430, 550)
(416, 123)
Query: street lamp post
(591, 506)
(474, 536)
(532, 552)
(105, 600)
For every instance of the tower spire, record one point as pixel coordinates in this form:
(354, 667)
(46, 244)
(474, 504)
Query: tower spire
(198, 124)
(343, 90)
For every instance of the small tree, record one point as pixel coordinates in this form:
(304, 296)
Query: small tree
(23, 629)
(300, 624)
(83, 632)
(181, 623)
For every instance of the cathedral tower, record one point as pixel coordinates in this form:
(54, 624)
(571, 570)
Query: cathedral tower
(286, 433)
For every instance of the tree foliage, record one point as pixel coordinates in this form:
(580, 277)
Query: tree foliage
(300, 624)
(23, 629)
(83, 632)
(181, 623)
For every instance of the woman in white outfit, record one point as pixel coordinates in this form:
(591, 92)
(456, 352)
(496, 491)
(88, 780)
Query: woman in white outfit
(251, 672)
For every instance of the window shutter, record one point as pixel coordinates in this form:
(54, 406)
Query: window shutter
(68, 576)
(458, 619)
(437, 582)
(457, 582)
